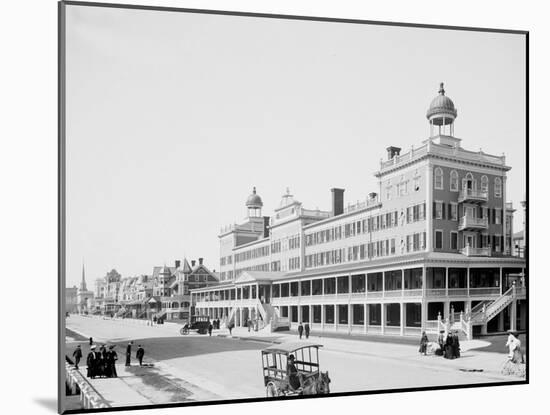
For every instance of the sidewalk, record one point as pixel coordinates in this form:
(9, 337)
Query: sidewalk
(471, 360)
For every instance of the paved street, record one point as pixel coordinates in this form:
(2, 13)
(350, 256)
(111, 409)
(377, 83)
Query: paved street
(196, 367)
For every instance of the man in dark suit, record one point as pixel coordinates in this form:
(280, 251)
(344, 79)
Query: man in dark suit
(300, 329)
(129, 353)
(77, 354)
(139, 354)
(90, 362)
(306, 328)
(98, 362)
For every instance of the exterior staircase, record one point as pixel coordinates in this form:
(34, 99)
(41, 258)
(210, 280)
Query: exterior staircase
(491, 310)
(481, 314)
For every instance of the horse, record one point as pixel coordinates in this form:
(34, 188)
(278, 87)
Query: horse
(316, 385)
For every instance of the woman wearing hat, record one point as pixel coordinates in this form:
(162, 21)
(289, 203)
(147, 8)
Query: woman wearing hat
(112, 357)
(514, 348)
(91, 363)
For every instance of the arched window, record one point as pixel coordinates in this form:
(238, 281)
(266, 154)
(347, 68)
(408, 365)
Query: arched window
(498, 187)
(484, 184)
(468, 183)
(438, 178)
(454, 181)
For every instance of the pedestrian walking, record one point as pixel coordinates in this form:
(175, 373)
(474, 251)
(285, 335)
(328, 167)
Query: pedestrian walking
(139, 354)
(230, 327)
(129, 353)
(455, 345)
(112, 357)
(91, 341)
(423, 344)
(249, 324)
(300, 329)
(90, 362)
(210, 329)
(441, 342)
(306, 329)
(77, 354)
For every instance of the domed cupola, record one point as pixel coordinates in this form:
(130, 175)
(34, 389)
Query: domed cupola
(442, 112)
(254, 204)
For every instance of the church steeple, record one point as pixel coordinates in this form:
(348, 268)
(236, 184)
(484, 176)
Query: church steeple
(83, 282)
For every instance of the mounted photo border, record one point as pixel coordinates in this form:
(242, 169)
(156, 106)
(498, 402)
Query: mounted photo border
(62, 189)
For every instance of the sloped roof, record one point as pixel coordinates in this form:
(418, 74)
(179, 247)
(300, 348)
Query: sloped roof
(253, 276)
(186, 266)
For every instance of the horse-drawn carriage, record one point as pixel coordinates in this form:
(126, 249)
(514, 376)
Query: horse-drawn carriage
(196, 323)
(298, 360)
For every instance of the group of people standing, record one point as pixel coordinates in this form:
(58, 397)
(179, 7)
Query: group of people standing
(303, 328)
(449, 345)
(100, 361)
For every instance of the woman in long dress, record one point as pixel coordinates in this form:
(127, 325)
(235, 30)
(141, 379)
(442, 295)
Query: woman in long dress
(514, 349)
(423, 343)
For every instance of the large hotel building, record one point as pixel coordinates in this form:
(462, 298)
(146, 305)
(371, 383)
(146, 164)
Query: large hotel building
(431, 249)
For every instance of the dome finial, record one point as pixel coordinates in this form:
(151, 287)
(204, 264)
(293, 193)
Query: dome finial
(254, 190)
(441, 89)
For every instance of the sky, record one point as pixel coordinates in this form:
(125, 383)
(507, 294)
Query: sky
(172, 118)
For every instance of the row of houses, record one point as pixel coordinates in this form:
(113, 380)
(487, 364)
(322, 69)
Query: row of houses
(163, 293)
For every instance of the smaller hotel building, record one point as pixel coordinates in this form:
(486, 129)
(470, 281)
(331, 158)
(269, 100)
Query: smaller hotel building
(430, 249)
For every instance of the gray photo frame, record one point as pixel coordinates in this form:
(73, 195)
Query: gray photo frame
(430, 248)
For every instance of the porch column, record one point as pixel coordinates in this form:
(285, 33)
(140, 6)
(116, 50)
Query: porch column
(501, 281)
(382, 317)
(299, 313)
(513, 315)
(447, 310)
(484, 329)
(322, 317)
(468, 281)
(336, 316)
(365, 317)
(501, 321)
(424, 303)
(402, 318)
(446, 281)
(350, 317)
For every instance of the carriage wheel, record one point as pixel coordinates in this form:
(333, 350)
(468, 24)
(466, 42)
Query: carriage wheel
(271, 390)
(184, 330)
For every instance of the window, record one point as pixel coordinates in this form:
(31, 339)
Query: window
(438, 178)
(454, 181)
(484, 184)
(454, 240)
(438, 240)
(438, 210)
(388, 192)
(498, 216)
(498, 187)
(454, 211)
(497, 243)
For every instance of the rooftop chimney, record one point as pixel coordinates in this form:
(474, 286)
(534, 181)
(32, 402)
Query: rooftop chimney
(200, 261)
(393, 151)
(266, 226)
(178, 263)
(192, 263)
(337, 201)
